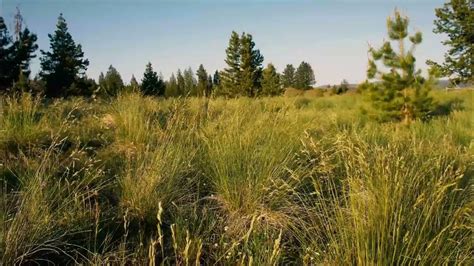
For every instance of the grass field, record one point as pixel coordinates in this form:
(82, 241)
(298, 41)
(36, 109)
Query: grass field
(286, 180)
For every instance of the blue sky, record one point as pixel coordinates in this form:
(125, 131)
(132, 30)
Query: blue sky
(333, 36)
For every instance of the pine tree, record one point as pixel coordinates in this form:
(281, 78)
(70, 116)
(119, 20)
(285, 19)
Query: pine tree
(400, 93)
(6, 56)
(189, 82)
(231, 76)
(216, 79)
(456, 20)
(181, 83)
(151, 83)
(304, 76)
(271, 82)
(202, 82)
(210, 87)
(15, 55)
(82, 86)
(64, 64)
(288, 77)
(172, 87)
(251, 66)
(24, 48)
(134, 86)
(112, 83)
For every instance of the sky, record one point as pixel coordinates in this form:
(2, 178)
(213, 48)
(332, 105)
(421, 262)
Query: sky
(332, 35)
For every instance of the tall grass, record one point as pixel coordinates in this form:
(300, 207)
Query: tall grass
(297, 180)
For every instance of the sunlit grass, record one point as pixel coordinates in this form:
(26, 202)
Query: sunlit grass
(306, 179)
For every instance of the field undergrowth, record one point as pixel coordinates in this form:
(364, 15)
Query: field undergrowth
(285, 180)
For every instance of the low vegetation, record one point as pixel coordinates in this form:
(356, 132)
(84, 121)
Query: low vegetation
(305, 180)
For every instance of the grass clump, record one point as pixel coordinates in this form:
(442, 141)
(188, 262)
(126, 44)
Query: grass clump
(137, 180)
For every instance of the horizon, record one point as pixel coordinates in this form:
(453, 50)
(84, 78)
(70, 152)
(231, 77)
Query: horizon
(187, 33)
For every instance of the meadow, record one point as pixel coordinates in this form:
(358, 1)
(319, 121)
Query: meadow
(306, 179)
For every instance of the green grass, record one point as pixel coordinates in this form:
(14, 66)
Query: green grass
(303, 179)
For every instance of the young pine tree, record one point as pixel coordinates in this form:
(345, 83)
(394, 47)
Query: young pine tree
(400, 93)
(64, 63)
(288, 77)
(271, 82)
(151, 82)
(202, 82)
(304, 76)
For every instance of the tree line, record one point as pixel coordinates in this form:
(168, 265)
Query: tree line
(63, 66)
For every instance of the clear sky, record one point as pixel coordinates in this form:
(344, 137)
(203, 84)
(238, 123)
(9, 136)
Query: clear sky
(332, 35)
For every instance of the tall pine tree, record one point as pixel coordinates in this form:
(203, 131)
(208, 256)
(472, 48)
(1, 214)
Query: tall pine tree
(24, 49)
(251, 66)
(202, 83)
(189, 82)
(456, 20)
(16, 54)
(64, 64)
(401, 93)
(304, 76)
(152, 84)
(231, 76)
(288, 76)
(6, 56)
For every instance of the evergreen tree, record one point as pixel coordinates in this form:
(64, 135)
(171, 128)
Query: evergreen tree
(209, 87)
(271, 82)
(82, 86)
(304, 76)
(400, 93)
(216, 79)
(151, 82)
(172, 87)
(134, 86)
(456, 20)
(64, 64)
(181, 83)
(231, 76)
(202, 82)
(112, 83)
(288, 77)
(189, 82)
(15, 55)
(24, 49)
(6, 56)
(251, 66)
